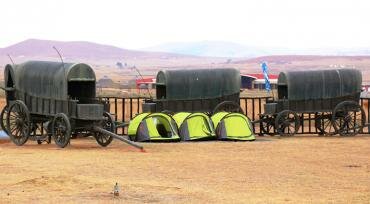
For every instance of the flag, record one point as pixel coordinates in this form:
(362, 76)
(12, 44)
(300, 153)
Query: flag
(266, 76)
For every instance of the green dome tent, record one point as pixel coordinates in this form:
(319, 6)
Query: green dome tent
(194, 126)
(232, 126)
(147, 127)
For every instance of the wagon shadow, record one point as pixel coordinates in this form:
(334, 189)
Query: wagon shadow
(53, 147)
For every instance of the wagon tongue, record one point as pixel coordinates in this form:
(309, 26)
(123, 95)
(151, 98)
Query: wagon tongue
(103, 131)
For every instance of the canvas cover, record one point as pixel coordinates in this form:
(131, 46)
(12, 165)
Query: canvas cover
(232, 126)
(147, 127)
(191, 84)
(47, 79)
(194, 126)
(319, 84)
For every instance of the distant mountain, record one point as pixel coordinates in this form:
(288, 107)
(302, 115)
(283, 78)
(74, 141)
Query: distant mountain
(209, 49)
(79, 51)
(116, 62)
(235, 50)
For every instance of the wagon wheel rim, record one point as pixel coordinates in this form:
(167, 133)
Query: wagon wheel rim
(18, 123)
(3, 117)
(107, 124)
(267, 125)
(348, 118)
(228, 106)
(61, 130)
(324, 125)
(287, 123)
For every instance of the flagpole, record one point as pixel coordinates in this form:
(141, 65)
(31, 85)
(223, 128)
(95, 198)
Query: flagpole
(272, 92)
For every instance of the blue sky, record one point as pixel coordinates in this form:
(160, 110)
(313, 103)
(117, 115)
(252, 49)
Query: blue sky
(143, 23)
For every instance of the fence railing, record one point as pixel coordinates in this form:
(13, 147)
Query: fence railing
(124, 109)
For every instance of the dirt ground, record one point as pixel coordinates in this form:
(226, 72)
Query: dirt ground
(301, 169)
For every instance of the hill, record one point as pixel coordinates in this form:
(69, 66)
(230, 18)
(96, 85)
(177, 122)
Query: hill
(107, 60)
(104, 59)
(89, 52)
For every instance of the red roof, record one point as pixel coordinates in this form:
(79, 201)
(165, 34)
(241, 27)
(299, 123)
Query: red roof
(260, 76)
(151, 80)
(145, 81)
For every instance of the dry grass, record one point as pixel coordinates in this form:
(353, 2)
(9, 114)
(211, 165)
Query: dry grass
(302, 169)
(290, 170)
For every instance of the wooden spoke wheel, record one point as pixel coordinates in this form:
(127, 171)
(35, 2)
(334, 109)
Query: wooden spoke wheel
(61, 130)
(108, 124)
(287, 123)
(3, 116)
(228, 106)
(267, 124)
(348, 118)
(324, 125)
(18, 123)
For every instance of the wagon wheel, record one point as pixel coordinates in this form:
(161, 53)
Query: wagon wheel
(228, 106)
(287, 123)
(3, 116)
(108, 124)
(348, 118)
(323, 123)
(61, 130)
(267, 124)
(18, 122)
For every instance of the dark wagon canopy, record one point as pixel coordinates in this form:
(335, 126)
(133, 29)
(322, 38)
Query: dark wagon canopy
(330, 97)
(193, 84)
(53, 80)
(319, 84)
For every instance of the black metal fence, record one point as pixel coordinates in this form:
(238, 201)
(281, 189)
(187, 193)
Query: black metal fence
(124, 109)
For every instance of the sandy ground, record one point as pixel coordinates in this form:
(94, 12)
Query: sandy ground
(302, 169)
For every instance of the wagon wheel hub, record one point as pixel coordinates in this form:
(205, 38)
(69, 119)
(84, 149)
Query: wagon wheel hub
(288, 122)
(19, 122)
(61, 128)
(347, 118)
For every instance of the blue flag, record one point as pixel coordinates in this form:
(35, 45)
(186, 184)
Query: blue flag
(266, 76)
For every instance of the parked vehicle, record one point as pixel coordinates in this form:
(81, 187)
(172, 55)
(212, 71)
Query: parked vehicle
(331, 95)
(194, 90)
(56, 97)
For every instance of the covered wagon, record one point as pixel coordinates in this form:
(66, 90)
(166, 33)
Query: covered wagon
(194, 90)
(56, 97)
(332, 95)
